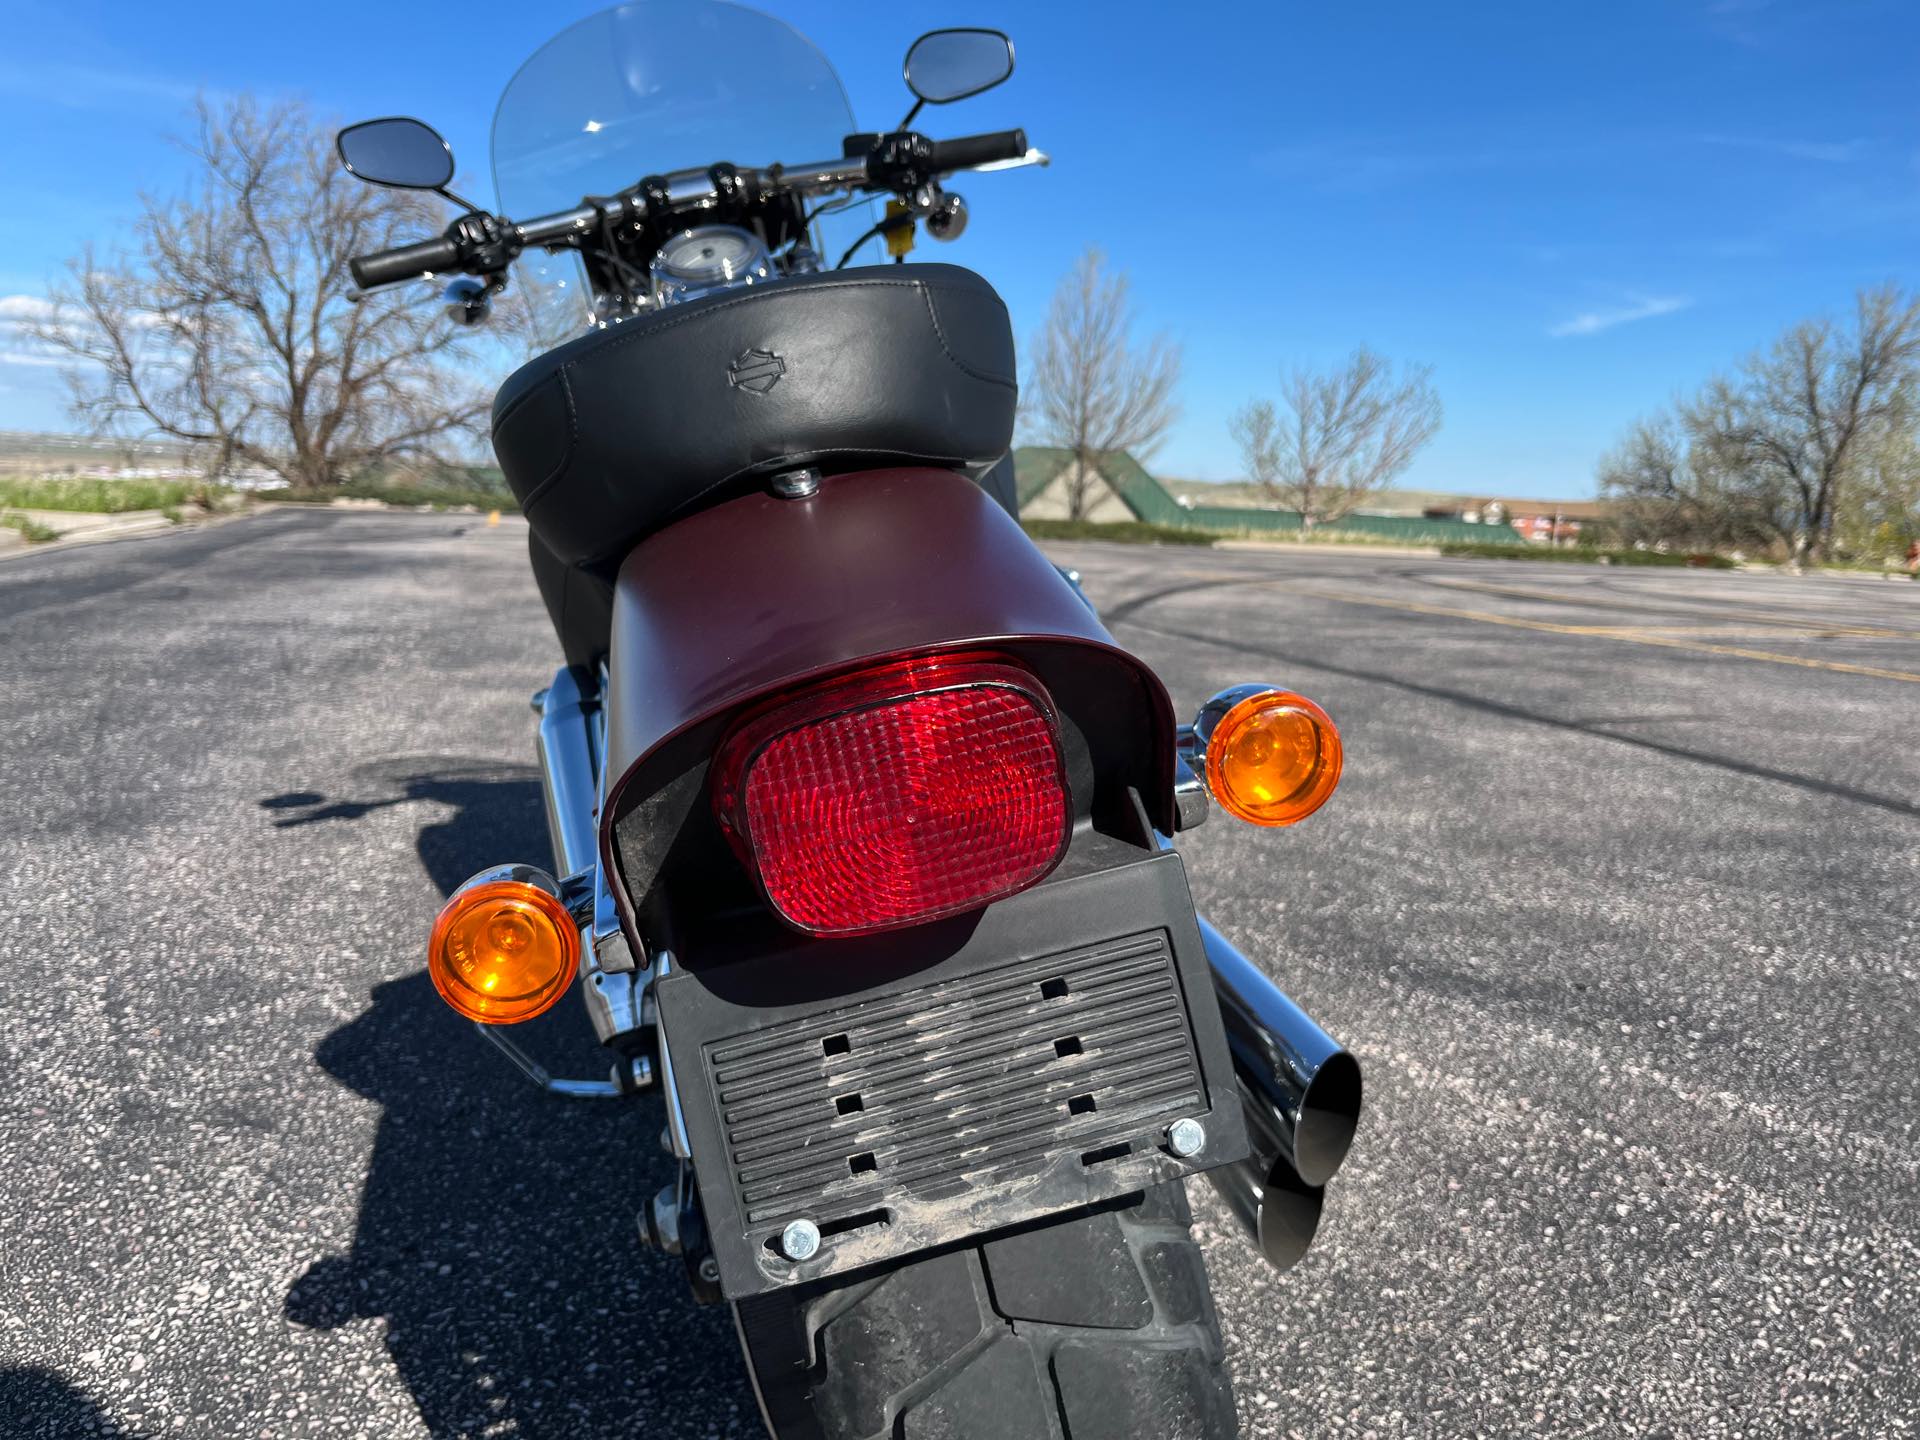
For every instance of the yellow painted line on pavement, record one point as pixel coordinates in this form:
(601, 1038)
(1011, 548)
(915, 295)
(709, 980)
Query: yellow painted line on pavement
(1604, 632)
(1733, 631)
(1747, 613)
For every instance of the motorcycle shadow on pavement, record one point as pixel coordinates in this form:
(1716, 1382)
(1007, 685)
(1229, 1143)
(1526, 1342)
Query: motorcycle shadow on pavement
(496, 1236)
(37, 1404)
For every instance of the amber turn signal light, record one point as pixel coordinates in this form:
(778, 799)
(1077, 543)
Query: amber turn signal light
(502, 951)
(1273, 759)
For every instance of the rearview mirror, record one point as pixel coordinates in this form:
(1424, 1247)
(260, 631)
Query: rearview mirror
(407, 154)
(948, 65)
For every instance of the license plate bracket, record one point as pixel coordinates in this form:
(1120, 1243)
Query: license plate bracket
(1029, 1065)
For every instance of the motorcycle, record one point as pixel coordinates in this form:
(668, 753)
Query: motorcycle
(864, 821)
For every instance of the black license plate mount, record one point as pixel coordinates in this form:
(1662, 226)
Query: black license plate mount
(1032, 1068)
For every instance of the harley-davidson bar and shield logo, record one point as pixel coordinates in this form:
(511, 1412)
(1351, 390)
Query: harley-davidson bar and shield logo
(756, 370)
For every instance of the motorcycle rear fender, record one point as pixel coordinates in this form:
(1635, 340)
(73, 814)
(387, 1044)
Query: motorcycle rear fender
(764, 594)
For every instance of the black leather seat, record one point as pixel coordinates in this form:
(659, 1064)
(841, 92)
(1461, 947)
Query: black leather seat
(617, 433)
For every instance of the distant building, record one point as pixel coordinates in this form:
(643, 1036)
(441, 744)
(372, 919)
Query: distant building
(1052, 498)
(1539, 522)
(1120, 489)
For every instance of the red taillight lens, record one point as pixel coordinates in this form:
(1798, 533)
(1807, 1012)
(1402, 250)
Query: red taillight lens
(898, 796)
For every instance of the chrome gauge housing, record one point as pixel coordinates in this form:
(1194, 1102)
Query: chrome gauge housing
(708, 258)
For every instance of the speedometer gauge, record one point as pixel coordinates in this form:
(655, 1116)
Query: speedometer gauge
(711, 257)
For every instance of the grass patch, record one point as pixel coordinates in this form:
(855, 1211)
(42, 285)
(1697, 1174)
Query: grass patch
(1139, 532)
(1585, 555)
(32, 531)
(1127, 532)
(431, 497)
(94, 496)
(1891, 566)
(1333, 536)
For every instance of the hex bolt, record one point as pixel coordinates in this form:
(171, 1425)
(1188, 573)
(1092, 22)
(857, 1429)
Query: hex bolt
(710, 1269)
(800, 1240)
(1186, 1138)
(797, 484)
(663, 1220)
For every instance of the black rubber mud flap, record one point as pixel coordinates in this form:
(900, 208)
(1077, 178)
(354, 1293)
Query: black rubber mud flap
(1099, 1327)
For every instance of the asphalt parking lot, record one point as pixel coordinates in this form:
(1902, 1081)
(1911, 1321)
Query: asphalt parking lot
(1619, 903)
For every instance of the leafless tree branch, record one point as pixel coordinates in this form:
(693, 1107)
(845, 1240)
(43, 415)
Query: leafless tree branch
(228, 324)
(1343, 434)
(1092, 392)
(1768, 454)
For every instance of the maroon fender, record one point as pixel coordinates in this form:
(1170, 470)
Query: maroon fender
(763, 594)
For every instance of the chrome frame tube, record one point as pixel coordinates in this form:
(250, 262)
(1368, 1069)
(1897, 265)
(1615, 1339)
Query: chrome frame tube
(613, 978)
(570, 765)
(541, 1076)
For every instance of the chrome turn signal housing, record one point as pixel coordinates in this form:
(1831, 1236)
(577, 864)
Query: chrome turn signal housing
(1267, 756)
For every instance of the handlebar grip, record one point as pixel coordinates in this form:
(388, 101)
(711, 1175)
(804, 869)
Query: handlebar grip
(971, 150)
(404, 262)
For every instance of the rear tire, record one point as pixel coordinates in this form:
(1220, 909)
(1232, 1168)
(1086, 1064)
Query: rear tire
(1101, 1327)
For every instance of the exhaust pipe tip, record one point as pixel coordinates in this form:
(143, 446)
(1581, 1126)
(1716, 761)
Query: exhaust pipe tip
(1301, 1094)
(1329, 1117)
(1290, 1211)
(1279, 1211)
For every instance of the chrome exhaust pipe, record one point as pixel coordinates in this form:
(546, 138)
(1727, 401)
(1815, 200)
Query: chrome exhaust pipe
(1279, 1211)
(570, 772)
(1302, 1095)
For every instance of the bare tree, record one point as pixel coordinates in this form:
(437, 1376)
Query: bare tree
(1665, 488)
(1793, 426)
(1093, 393)
(229, 324)
(1342, 436)
(1879, 512)
(1769, 454)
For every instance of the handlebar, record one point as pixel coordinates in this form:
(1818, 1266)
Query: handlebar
(689, 189)
(405, 262)
(970, 150)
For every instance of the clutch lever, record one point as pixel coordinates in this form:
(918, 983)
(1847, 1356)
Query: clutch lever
(1032, 157)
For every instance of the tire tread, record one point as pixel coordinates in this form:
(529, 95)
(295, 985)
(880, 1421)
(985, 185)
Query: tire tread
(1094, 1328)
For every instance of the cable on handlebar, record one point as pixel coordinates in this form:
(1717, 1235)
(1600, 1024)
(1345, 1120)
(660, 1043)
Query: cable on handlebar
(883, 227)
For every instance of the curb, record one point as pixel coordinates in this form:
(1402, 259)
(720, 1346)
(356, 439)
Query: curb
(1297, 547)
(137, 525)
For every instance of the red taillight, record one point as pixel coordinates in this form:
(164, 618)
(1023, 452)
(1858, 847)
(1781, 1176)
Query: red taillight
(897, 796)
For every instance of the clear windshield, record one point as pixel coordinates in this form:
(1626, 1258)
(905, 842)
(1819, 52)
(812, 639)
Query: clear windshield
(656, 86)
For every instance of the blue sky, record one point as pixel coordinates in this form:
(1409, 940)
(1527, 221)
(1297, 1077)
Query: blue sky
(1570, 212)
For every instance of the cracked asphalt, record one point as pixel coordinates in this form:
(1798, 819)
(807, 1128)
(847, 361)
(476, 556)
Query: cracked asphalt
(1616, 902)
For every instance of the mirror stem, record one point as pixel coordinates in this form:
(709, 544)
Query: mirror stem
(466, 205)
(910, 114)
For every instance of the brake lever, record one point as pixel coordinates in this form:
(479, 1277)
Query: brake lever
(355, 295)
(1032, 157)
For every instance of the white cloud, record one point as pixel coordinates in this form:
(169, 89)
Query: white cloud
(1639, 307)
(1823, 152)
(16, 308)
(1834, 152)
(20, 317)
(93, 87)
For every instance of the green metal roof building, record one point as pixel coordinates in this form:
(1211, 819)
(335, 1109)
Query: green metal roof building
(1129, 486)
